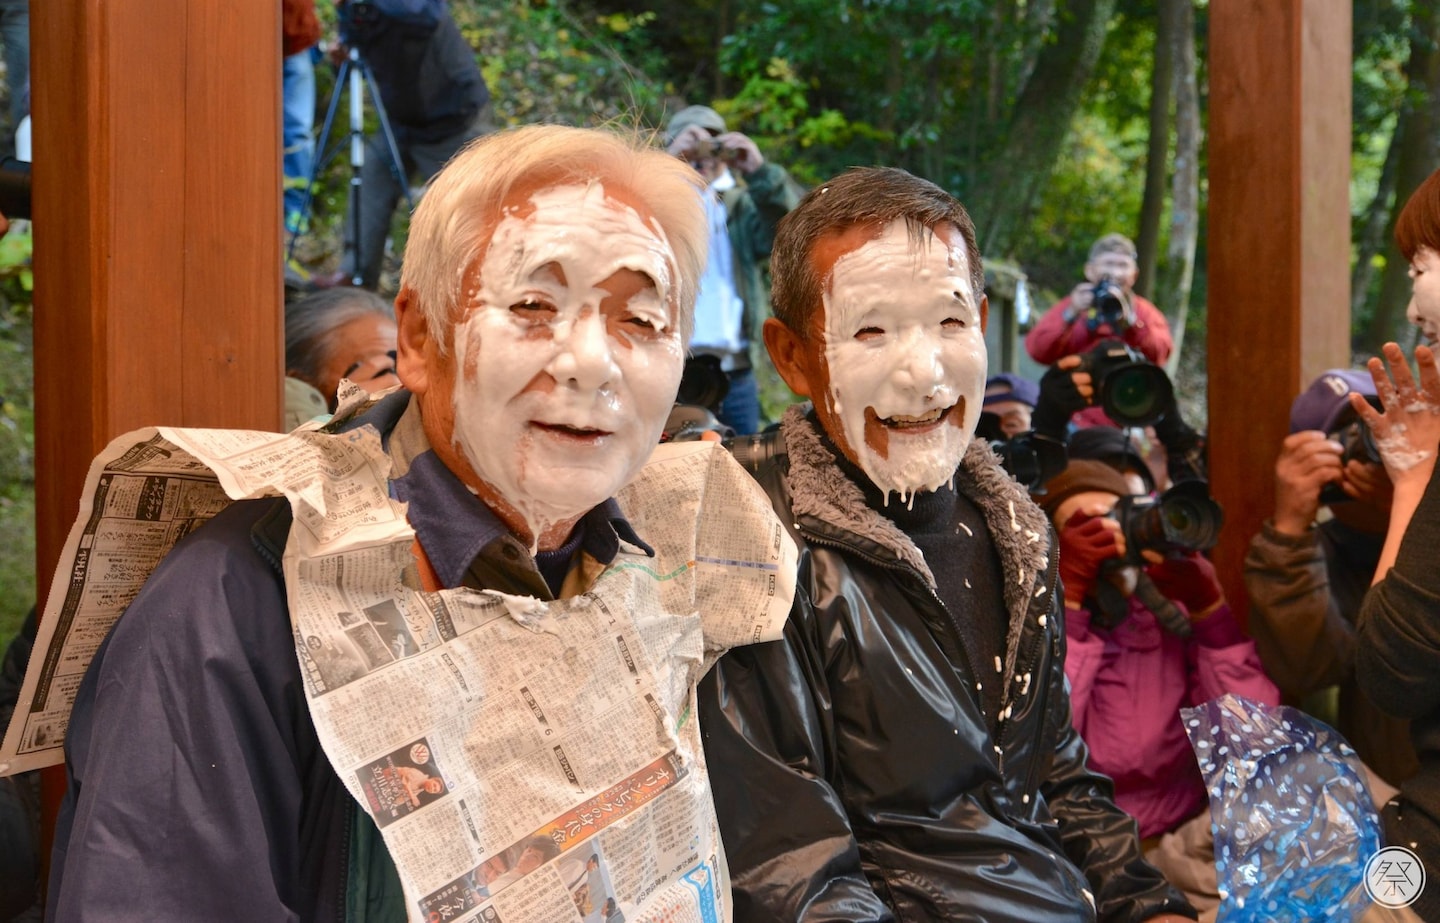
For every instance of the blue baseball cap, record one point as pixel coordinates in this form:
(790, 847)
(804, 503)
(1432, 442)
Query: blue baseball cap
(1321, 405)
(1007, 386)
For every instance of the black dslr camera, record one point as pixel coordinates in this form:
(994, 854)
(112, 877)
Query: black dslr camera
(1030, 458)
(1128, 387)
(359, 21)
(1183, 518)
(703, 385)
(1358, 444)
(1110, 306)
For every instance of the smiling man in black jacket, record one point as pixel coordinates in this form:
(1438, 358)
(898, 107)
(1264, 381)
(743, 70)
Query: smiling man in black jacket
(906, 750)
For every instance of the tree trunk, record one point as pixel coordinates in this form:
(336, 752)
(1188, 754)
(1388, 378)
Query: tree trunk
(1419, 130)
(1035, 20)
(1162, 82)
(1039, 123)
(1174, 292)
(994, 79)
(723, 26)
(1371, 239)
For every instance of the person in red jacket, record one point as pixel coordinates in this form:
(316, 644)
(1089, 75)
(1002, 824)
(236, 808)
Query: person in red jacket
(1080, 320)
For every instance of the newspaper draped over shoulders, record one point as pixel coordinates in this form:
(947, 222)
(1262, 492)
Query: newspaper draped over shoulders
(524, 759)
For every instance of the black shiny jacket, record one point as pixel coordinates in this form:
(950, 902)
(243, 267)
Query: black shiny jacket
(854, 774)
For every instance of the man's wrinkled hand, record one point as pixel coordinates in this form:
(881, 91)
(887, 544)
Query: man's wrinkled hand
(1081, 297)
(1308, 461)
(746, 156)
(687, 140)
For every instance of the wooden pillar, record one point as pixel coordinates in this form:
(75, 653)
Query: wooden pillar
(156, 206)
(1278, 241)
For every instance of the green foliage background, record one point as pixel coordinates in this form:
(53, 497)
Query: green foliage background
(17, 433)
(820, 85)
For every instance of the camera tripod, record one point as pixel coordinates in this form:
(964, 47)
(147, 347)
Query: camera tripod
(355, 77)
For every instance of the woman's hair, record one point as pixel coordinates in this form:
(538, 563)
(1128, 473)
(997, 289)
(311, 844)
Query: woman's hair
(310, 322)
(462, 206)
(1419, 222)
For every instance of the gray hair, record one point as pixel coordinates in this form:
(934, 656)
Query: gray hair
(462, 206)
(1113, 243)
(310, 322)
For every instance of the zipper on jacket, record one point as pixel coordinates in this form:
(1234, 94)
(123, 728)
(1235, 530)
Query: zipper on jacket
(348, 823)
(1042, 694)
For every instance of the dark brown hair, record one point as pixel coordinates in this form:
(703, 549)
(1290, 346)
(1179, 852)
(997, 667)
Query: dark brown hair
(1419, 222)
(865, 196)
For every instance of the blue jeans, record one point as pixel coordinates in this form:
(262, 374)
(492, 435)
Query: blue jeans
(740, 410)
(15, 37)
(297, 135)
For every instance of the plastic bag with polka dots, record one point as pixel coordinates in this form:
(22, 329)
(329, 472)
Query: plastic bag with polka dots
(1294, 823)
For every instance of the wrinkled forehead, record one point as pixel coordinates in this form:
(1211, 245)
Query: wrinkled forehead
(901, 268)
(1113, 259)
(588, 228)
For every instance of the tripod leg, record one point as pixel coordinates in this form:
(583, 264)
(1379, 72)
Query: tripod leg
(379, 193)
(397, 164)
(357, 163)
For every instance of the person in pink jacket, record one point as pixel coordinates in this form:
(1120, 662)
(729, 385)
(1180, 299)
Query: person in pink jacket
(1132, 665)
(1080, 320)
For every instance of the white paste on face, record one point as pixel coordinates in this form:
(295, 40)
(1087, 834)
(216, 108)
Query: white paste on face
(563, 383)
(904, 346)
(1424, 309)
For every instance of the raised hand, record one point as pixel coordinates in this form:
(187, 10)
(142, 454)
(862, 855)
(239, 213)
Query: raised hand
(1407, 431)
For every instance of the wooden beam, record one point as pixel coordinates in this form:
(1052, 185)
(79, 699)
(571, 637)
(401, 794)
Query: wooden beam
(1278, 241)
(158, 295)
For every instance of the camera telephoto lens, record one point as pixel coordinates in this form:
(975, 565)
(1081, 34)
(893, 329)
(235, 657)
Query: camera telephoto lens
(1136, 395)
(1184, 518)
(1190, 518)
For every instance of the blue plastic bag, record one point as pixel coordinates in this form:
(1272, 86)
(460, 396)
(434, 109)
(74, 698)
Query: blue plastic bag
(1294, 823)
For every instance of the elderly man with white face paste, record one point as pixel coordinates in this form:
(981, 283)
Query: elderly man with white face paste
(547, 294)
(905, 751)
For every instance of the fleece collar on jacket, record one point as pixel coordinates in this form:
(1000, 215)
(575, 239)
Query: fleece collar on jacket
(819, 490)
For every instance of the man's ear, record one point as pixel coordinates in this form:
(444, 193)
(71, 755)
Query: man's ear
(1091, 273)
(788, 353)
(984, 311)
(413, 347)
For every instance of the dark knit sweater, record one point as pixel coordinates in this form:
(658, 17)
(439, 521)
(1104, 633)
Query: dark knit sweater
(1397, 663)
(950, 532)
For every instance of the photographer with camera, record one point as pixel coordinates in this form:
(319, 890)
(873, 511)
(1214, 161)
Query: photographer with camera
(742, 213)
(1009, 406)
(1114, 385)
(1102, 307)
(1149, 632)
(1308, 568)
(435, 100)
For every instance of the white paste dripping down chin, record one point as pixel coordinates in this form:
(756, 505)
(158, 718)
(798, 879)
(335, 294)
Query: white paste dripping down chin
(903, 340)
